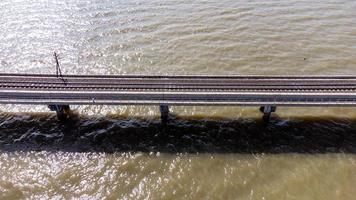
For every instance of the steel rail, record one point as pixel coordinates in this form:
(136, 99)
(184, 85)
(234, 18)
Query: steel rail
(177, 81)
(312, 88)
(188, 76)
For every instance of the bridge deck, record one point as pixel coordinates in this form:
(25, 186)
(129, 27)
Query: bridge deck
(178, 90)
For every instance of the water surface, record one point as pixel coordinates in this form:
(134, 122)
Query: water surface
(219, 153)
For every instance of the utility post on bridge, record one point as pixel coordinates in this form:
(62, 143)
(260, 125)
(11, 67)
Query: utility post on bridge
(61, 110)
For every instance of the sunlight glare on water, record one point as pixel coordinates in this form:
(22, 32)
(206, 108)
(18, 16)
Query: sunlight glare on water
(160, 176)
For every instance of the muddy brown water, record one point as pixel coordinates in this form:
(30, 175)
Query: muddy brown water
(123, 152)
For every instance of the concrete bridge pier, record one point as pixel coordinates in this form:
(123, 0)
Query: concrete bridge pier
(164, 109)
(267, 111)
(61, 110)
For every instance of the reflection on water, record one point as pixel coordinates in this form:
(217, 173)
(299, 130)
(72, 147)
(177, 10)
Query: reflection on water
(233, 157)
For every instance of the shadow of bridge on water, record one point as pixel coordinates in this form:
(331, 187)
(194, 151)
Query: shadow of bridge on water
(42, 132)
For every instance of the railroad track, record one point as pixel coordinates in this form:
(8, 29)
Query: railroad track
(265, 91)
(179, 90)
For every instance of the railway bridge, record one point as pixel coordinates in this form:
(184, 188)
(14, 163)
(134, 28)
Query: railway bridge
(266, 92)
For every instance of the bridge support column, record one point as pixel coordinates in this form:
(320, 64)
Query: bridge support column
(267, 111)
(61, 110)
(164, 109)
